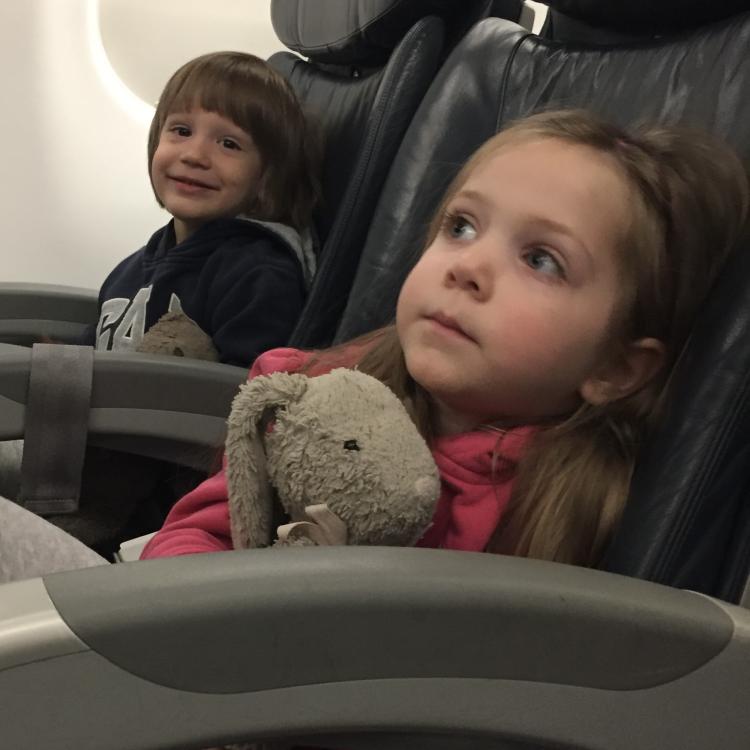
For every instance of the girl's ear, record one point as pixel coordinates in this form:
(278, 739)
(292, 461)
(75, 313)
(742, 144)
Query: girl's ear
(634, 365)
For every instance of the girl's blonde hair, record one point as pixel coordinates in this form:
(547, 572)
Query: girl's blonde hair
(255, 97)
(689, 204)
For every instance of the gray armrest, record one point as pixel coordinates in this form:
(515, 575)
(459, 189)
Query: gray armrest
(147, 404)
(28, 311)
(356, 647)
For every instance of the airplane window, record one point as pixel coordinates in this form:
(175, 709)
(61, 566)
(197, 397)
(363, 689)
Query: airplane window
(145, 42)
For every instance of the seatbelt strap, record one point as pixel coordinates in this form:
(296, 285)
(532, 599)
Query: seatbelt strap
(56, 427)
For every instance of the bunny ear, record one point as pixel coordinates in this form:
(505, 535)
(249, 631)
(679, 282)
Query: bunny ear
(250, 495)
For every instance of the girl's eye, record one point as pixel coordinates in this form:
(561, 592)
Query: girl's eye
(180, 130)
(459, 227)
(230, 144)
(539, 259)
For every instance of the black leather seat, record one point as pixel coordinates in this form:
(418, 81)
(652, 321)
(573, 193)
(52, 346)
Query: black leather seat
(593, 22)
(691, 487)
(368, 66)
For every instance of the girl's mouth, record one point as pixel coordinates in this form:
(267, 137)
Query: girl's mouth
(449, 326)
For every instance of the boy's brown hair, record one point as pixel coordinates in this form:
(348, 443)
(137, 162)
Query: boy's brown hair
(248, 91)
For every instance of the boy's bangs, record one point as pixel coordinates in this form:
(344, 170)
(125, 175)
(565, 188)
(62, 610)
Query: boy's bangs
(212, 90)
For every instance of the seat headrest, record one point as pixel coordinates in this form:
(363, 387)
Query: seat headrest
(351, 32)
(653, 16)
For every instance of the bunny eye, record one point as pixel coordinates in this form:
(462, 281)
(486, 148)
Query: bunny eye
(351, 445)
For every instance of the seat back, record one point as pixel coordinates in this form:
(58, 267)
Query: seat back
(366, 72)
(692, 481)
(577, 21)
(363, 79)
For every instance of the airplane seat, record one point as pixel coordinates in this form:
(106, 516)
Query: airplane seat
(367, 68)
(691, 486)
(111, 439)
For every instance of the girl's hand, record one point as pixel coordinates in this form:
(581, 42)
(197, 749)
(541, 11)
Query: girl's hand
(325, 528)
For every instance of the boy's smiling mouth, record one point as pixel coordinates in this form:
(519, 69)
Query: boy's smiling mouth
(191, 183)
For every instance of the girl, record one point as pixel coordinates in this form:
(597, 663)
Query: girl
(535, 336)
(232, 159)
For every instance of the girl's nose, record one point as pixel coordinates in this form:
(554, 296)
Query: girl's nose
(472, 272)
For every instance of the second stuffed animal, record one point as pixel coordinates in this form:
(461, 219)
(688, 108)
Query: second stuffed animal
(342, 439)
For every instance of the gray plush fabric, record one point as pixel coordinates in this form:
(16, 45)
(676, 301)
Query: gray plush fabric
(342, 440)
(31, 547)
(176, 334)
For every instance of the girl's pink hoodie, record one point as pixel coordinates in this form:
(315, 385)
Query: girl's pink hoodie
(468, 511)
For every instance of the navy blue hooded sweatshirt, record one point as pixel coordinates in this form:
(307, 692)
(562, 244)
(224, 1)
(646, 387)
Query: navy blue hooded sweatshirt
(241, 281)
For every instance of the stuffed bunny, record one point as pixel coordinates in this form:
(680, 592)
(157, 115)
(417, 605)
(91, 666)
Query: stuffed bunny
(342, 439)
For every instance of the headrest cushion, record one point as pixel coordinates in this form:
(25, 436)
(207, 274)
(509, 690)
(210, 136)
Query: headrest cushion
(648, 15)
(350, 32)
